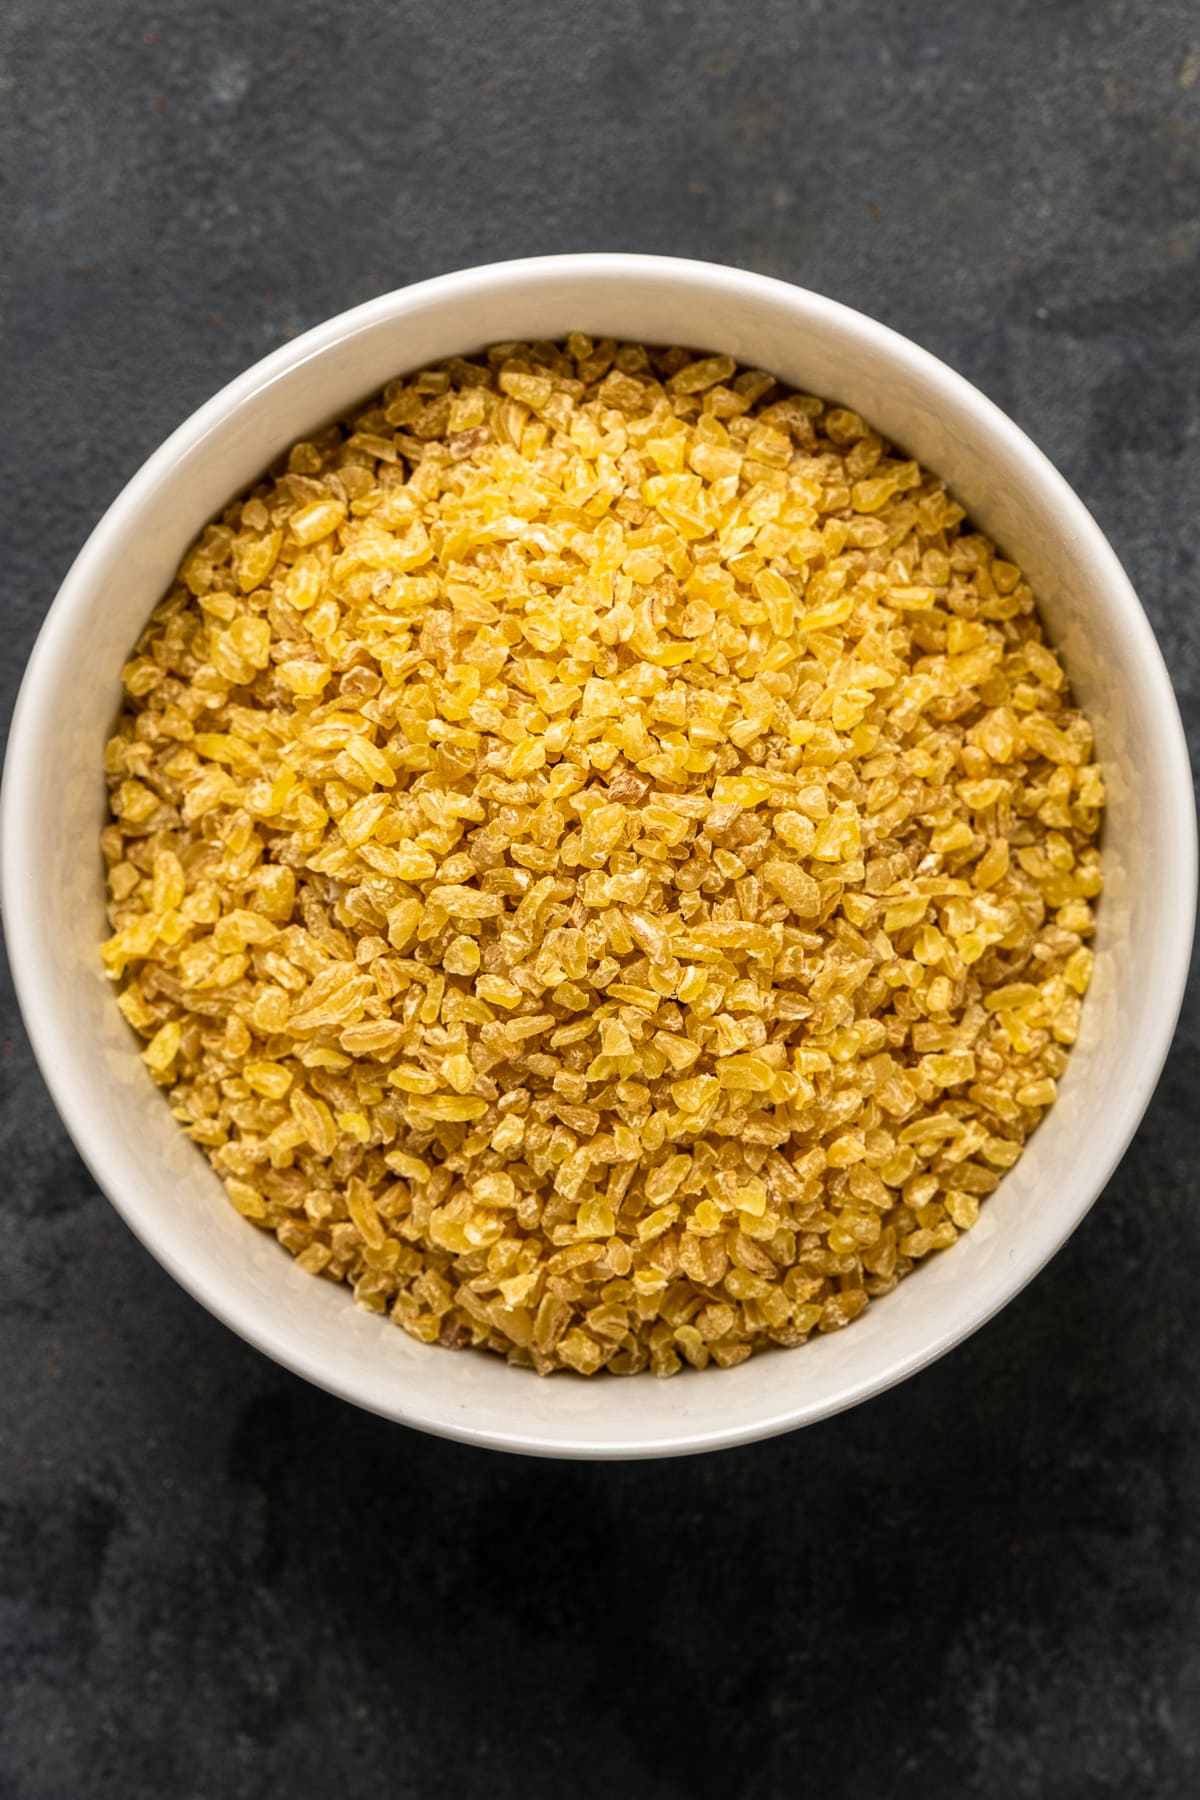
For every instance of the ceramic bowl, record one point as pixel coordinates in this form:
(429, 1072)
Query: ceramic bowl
(53, 898)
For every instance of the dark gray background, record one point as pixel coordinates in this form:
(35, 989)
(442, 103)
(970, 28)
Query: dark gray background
(217, 1582)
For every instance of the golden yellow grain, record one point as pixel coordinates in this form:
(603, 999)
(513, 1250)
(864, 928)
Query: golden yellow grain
(601, 858)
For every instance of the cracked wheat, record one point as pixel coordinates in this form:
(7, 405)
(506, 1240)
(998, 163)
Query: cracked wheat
(602, 858)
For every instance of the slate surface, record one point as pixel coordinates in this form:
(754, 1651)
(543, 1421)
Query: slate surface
(215, 1581)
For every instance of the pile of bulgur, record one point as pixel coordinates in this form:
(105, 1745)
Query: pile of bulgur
(602, 857)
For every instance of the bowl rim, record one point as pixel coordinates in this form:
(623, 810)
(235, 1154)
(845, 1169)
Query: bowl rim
(68, 613)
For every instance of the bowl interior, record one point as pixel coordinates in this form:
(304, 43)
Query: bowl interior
(53, 889)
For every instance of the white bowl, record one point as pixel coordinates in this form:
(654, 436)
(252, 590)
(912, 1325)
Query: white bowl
(53, 900)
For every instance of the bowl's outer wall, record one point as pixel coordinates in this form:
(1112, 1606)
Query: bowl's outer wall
(53, 808)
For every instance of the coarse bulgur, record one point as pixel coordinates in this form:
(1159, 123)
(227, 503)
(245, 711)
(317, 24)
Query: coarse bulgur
(603, 858)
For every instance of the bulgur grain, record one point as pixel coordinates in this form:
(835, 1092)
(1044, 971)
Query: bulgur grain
(602, 858)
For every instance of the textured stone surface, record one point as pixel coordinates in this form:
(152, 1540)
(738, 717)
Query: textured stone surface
(215, 1581)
